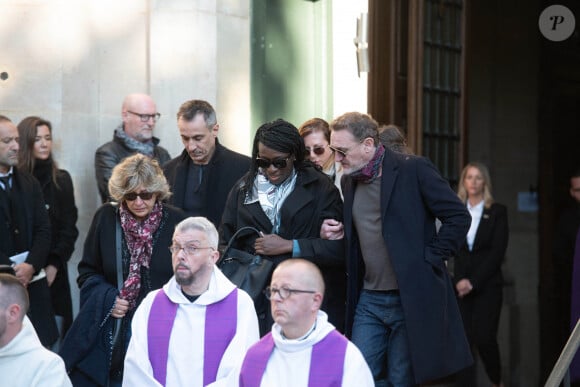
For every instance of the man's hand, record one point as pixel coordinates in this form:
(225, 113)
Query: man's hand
(24, 272)
(332, 229)
(463, 287)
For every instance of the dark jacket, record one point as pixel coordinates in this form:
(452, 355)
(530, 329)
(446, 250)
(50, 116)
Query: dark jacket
(28, 221)
(413, 194)
(482, 265)
(223, 170)
(313, 199)
(111, 153)
(87, 347)
(62, 211)
(99, 264)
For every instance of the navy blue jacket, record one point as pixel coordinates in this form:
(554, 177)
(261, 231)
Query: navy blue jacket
(413, 194)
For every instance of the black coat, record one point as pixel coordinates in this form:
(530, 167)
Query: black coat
(313, 199)
(413, 194)
(31, 224)
(482, 265)
(62, 211)
(223, 170)
(98, 270)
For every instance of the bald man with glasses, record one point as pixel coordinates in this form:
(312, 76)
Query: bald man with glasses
(303, 348)
(133, 135)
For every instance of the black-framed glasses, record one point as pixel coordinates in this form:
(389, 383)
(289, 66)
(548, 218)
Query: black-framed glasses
(318, 150)
(146, 117)
(134, 195)
(284, 292)
(277, 163)
(344, 151)
(189, 249)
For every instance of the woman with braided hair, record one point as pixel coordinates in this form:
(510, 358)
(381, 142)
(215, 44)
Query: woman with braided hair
(286, 198)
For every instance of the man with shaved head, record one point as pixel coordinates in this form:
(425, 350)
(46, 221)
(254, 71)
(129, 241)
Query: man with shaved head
(133, 135)
(303, 349)
(23, 359)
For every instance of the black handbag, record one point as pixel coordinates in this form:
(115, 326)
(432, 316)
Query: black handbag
(248, 272)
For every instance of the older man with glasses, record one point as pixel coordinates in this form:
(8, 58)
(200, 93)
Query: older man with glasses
(133, 135)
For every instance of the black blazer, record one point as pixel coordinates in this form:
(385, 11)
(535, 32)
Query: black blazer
(482, 265)
(32, 223)
(223, 170)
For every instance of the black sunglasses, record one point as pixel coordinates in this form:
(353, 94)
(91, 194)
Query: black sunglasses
(143, 195)
(146, 117)
(318, 150)
(278, 163)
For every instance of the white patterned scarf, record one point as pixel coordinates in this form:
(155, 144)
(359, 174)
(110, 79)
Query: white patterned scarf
(271, 196)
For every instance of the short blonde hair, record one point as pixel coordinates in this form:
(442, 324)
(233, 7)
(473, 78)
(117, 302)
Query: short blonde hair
(138, 171)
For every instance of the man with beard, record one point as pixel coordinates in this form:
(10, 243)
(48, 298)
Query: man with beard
(197, 328)
(400, 300)
(133, 135)
(25, 232)
(202, 176)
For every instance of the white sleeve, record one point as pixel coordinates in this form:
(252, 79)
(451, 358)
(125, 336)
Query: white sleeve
(356, 370)
(52, 374)
(138, 370)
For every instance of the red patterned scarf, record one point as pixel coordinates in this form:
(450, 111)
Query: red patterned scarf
(139, 238)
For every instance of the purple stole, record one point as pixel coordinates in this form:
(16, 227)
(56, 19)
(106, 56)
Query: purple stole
(326, 361)
(220, 328)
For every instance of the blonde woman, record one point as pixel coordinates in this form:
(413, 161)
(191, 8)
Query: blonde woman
(477, 272)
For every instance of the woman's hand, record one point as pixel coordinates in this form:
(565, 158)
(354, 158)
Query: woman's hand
(463, 287)
(272, 244)
(120, 308)
(51, 271)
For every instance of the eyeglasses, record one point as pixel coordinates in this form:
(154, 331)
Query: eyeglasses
(146, 117)
(283, 292)
(342, 151)
(143, 195)
(189, 250)
(318, 150)
(278, 163)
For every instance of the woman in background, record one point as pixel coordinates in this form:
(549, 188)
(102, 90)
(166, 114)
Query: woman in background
(316, 135)
(477, 271)
(35, 157)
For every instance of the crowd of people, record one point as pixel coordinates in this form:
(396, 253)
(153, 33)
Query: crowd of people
(358, 229)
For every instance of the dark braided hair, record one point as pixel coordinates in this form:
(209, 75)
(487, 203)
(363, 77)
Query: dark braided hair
(281, 136)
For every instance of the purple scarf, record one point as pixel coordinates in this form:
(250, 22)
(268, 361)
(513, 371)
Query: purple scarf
(326, 361)
(370, 172)
(139, 238)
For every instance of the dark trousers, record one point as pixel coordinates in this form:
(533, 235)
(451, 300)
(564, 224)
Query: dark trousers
(480, 311)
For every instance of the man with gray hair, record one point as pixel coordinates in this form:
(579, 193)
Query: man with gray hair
(202, 176)
(197, 328)
(401, 303)
(133, 135)
(23, 359)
